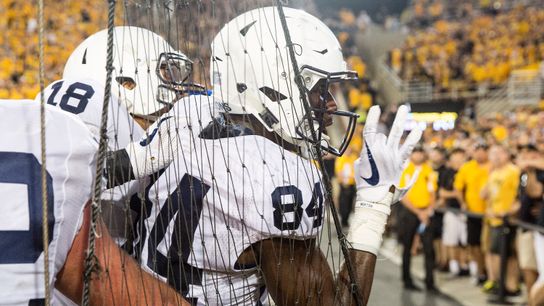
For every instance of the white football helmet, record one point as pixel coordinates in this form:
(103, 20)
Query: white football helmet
(139, 56)
(252, 73)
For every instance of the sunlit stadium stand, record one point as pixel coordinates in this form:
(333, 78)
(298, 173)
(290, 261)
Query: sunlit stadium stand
(67, 24)
(468, 52)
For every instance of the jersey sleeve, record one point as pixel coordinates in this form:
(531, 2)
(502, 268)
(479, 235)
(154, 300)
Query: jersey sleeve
(78, 163)
(195, 111)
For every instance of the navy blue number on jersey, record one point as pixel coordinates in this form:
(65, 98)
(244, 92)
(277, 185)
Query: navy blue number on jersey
(78, 91)
(315, 208)
(185, 204)
(287, 201)
(25, 246)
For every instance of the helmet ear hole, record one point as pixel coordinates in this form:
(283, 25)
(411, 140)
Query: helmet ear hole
(126, 82)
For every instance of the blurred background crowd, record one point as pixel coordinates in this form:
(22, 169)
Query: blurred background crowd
(68, 23)
(464, 47)
(480, 179)
(470, 181)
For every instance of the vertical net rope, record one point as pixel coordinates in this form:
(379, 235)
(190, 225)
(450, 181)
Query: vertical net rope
(319, 157)
(45, 228)
(90, 259)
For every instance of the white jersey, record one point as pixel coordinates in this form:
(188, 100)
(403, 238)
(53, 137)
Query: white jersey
(216, 199)
(70, 166)
(85, 98)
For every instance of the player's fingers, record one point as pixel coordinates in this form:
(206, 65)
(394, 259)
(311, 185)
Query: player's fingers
(409, 144)
(371, 124)
(398, 127)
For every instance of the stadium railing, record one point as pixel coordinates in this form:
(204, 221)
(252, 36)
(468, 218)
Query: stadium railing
(397, 90)
(495, 100)
(524, 87)
(389, 84)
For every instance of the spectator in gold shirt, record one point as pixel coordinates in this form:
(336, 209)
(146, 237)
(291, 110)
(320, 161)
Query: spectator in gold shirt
(469, 181)
(500, 193)
(414, 218)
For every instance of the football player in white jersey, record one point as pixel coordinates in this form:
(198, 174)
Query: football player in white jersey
(147, 79)
(137, 99)
(240, 208)
(70, 151)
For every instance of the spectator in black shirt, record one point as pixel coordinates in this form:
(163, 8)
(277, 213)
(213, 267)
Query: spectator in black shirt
(531, 203)
(454, 234)
(437, 157)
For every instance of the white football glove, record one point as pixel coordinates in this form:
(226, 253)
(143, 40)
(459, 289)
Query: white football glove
(377, 173)
(156, 150)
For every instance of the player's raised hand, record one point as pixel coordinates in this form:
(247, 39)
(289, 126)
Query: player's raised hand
(377, 173)
(383, 158)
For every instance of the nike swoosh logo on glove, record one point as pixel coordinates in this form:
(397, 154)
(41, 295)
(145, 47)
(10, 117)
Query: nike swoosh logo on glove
(148, 140)
(374, 178)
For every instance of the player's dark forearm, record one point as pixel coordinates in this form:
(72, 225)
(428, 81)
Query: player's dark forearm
(121, 281)
(117, 279)
(118, 168)
(363, 264)
(131, 285)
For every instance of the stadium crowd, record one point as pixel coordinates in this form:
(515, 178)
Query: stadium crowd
(489, 169)
(67, 23)
(481, 48)
(469, 180)
(477, 180)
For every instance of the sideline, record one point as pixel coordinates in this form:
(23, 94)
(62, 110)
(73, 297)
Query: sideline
(459, 289)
